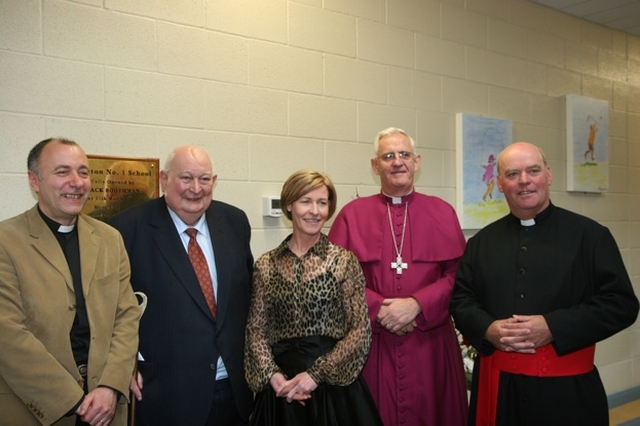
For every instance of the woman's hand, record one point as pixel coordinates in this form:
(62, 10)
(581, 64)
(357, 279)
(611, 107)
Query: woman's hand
(297, 389)
(277, 383)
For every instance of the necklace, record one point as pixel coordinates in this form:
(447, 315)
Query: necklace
(398, 265)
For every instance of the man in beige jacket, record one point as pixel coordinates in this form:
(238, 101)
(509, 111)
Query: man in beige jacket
(68, 316)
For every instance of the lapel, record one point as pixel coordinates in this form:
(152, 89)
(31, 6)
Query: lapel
(89, 242)
(46, 244)
(166, 238)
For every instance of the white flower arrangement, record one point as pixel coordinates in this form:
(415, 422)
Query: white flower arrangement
(469, 354)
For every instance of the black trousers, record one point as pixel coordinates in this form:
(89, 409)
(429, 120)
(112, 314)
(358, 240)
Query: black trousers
(223, 410)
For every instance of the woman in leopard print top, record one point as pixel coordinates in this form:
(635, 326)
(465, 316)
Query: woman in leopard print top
(308, 333)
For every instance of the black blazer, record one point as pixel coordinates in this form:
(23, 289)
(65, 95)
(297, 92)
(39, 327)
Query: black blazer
(179, 339)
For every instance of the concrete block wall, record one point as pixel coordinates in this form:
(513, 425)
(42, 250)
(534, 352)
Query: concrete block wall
(272, 86)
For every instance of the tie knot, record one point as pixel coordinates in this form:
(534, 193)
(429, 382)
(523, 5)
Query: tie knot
(192, 232)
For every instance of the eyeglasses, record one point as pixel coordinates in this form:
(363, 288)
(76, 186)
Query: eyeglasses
(390, 156)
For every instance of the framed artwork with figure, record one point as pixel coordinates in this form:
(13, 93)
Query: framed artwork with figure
(587, 144)
(479, 140)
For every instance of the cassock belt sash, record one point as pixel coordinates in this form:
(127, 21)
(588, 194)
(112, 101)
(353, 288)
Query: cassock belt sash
(544, 363)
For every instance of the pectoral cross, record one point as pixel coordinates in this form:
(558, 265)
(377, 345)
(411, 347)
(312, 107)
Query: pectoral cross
(398, 265)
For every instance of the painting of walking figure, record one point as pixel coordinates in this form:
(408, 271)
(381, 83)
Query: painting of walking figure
(587, 144)
(479, 139)
(489, 177)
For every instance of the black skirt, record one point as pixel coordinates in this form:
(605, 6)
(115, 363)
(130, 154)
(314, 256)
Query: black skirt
(329, 405)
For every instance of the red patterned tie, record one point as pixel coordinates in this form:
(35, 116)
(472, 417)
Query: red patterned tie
(202, 270)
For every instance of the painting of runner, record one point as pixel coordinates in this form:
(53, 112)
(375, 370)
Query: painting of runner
(587, 144)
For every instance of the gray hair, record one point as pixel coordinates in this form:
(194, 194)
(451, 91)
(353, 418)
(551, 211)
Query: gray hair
(391, 131)
(166, 167)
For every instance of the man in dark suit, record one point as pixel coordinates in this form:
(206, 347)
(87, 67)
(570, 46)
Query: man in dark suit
(191, 350)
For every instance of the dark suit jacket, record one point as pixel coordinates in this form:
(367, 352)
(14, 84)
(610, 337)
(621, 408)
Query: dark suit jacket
(179, 339)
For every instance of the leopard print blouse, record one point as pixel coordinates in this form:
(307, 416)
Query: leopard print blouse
(318, 294)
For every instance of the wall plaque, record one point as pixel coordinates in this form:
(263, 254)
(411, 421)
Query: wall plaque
(118, 183)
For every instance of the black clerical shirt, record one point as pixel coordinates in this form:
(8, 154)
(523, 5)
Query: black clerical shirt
(80, 333)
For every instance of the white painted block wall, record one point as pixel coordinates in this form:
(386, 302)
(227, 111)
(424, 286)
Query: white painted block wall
(271, 86)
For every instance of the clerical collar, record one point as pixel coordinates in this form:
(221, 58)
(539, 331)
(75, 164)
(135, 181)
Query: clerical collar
(539, 218)
(66, 229)
(399, 200)
(55, 226)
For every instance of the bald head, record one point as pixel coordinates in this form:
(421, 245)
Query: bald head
(187, 153)
(522, 146)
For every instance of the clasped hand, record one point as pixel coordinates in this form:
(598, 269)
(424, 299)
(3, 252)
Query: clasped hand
(398, 316)
(98, 407)
(298, 388)
(520, 333)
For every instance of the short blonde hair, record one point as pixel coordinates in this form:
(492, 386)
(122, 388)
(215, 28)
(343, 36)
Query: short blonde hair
(302, 182)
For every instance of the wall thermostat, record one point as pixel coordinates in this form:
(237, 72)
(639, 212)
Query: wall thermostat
(271, 207)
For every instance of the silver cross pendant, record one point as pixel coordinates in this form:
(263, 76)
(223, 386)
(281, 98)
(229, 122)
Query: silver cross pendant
(398, 265)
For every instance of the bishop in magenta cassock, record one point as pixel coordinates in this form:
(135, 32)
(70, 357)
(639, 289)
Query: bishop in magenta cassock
(408, 245)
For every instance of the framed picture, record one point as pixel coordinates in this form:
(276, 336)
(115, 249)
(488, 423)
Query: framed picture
(587, 144)
(479, 140)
